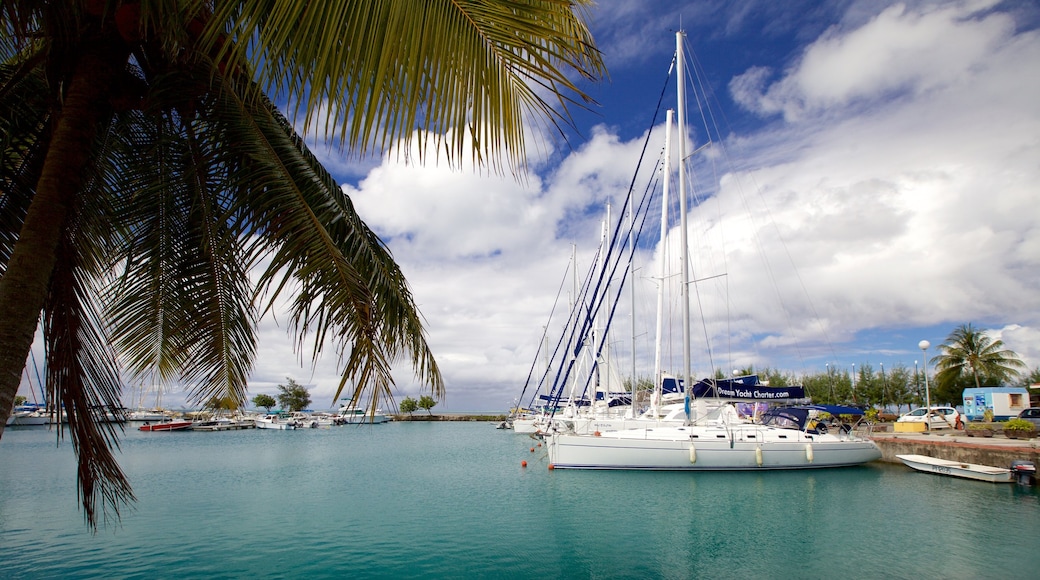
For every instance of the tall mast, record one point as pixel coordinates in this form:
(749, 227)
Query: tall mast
(684, 289)
(632, 294)
(574, 302)
(658, 372)
(600, 345)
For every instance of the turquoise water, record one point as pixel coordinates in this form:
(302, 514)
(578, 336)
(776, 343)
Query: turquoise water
(451, 500)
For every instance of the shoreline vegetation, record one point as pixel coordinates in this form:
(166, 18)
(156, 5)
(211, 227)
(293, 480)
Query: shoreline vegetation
(450, 417)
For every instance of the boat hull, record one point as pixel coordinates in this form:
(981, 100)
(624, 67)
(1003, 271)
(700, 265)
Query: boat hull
(219, 425)
(168, 426)
(928, 464)
(276, 424)
(347, 416)
(708, 449)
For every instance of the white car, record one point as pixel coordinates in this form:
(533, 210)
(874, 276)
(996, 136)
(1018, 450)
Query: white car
(941, 417)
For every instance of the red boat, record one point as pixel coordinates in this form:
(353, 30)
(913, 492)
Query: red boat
(166, 426)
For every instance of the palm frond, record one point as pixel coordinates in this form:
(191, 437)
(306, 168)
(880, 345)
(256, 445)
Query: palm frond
(183, 304)
(82, 370)
(391, 67)
(348, 289)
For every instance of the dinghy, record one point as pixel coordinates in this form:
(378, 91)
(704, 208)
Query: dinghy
(957, 469)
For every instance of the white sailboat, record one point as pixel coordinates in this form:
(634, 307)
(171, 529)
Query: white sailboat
(717, 439)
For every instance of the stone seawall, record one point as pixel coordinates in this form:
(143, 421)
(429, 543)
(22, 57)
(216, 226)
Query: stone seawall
(996, 452)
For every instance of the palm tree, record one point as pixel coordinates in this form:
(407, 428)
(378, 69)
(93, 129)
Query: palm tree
(969, 352)
(144, 173)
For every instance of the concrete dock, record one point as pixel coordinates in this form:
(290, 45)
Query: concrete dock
(996, 451)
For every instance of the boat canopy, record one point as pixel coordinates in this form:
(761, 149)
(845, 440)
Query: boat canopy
(801, 415)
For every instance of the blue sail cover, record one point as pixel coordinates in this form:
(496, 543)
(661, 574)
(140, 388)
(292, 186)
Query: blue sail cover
(745, 388)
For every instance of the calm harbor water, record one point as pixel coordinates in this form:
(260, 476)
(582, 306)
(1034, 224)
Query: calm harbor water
(451, 500)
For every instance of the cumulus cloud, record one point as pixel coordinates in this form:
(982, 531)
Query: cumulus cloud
(901, 52)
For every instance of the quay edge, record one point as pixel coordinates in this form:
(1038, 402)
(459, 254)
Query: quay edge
(997, 452)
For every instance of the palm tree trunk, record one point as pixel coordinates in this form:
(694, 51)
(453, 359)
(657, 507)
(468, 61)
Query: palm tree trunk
(23, 287)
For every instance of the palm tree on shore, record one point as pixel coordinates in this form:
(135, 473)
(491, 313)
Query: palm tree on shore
(144, 172)
(970, 352)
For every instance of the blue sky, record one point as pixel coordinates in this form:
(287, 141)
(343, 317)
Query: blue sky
(888, 169)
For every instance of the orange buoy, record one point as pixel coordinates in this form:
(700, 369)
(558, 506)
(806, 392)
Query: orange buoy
(551, 467)
(532, 450)
(523, 464)
(539, 445)
(596, 434)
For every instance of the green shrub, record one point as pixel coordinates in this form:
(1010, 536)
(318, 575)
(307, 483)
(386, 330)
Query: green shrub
(1017, 424)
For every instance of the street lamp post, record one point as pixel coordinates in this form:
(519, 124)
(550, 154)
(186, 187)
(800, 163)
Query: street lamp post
(923, 345)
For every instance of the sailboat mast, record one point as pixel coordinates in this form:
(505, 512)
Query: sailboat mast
(658, 371)
(574, 305)
(600, 345)
(684, 289)
(632, 295)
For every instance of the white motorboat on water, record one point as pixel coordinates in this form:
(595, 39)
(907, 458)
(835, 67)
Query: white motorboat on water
(938, 466)
(274, 421)
(352, 415)
(312, 420)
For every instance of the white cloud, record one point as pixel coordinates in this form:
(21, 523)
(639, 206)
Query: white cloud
(901, 51)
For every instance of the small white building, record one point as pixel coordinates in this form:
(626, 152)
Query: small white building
(1005, 402)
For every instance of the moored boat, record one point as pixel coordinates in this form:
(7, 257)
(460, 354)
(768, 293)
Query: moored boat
(352, 415)
(722, 441)
(974, 471)
(169, 425)
(222, 424)
(148, 415)
(274, 421)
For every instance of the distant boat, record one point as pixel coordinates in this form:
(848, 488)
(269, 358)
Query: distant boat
(351, 415)
(957, 469)
(25, 418)
(166, 426)
(312, 420)
(222, 424)
(273, 421)
(149, 415)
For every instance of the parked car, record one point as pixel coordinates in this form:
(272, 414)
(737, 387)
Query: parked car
(1032, 414)
(941, 418)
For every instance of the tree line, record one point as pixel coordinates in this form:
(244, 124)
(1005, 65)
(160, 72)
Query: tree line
(969, 357)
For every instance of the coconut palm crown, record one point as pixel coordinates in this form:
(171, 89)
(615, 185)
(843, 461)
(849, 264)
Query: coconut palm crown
(155, 202)
(970, 352)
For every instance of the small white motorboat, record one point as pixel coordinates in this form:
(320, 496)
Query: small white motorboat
(957, 468)
(275, 421)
